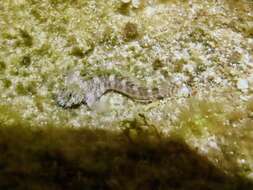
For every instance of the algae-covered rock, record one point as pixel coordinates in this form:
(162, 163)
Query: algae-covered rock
(201, 50)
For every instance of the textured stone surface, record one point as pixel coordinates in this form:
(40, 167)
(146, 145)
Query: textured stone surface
(203, 47)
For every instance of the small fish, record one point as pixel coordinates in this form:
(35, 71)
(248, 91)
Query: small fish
(78, 91)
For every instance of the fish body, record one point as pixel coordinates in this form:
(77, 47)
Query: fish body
(78, 91)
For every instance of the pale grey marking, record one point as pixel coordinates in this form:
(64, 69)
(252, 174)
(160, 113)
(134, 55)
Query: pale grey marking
(83, 84)
(123, 84)
(135, 89)
(108, 83)
(112, 80)
(97, 87)
(97, 93)
(96, 80)
(150, 92)
(102, 87)
(90, 99)
(160, 94)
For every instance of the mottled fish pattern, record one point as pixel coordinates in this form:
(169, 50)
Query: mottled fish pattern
(78, 91)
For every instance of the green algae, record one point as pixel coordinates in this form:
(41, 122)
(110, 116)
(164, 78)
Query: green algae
(130, 31)
(2, 66)
(6, 83)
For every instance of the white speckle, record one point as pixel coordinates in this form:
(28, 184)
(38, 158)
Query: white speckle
(150, 11)
(189, 68)
(209, 143)
(125, 1)
(75, 123)
(241, 161)
(184, 91)
(136, 3)
(178, 79)
(150, 92)
(218, 80)
(212, 143)
(243, 84)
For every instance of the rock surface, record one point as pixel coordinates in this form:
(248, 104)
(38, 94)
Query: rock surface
(203, 47)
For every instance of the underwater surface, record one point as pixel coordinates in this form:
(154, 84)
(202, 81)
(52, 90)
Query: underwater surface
(126, 94)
